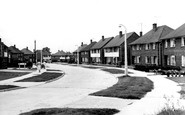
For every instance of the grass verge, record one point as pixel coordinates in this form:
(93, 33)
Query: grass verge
(71, 111)
(115, 71)
(47, 76)
(91, 67)
(171, 112)
(128, 88)
(4, 87)
(9, 75)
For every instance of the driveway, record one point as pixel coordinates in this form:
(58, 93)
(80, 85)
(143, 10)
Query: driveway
(76, 84)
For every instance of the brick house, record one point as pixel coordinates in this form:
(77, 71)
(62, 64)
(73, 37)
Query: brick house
(16, 56)
(4, 55)
(97, 51)
(173, 46)
(46, 56)
(147, 49)
(29, 56)
(85, 53)
(114, 50)
(61, 56)
(77, 53)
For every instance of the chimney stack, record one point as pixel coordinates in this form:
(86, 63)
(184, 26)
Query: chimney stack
(103, 38)
(0, 40)
(91, 41)
(82, 44)
(14, 46)
(120, 34)
(27, 48)
(155, 26)
(141, 33)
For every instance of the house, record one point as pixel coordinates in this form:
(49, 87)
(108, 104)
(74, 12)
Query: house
(85, 53)
(16, 56)
(77, 53)
(4, 55)
(173, 46)
(97, 52)
(61, 56)
(29, 56)
(114, 50)
(147, 49)
(46, 56)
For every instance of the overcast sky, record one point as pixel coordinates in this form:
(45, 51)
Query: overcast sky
(62, 24)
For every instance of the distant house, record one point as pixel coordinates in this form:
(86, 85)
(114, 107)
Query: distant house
(46, 56)
(4, 55)
(114, 50)
(147, 49)
(85, 53)
(173, 46)
(77, 53)
(16, 56)
(61, 56)
(29, 56)
(97, 52)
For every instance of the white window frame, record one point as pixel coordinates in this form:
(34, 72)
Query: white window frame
(182, 41)
(137, 47)
(172, 60)
(153, 46)
(146, 47)
(146, 59)
(172, 42)
(138, 59)
(183, 60)
(166, 43)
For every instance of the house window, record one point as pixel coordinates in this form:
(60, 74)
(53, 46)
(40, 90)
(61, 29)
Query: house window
(146, 46)
(183, 60)
(137, 47)
(166, 43)
(172, 42)
(152, 59)
(156, 60)
(140, 48)
(147, 59)
(133, 47)
(168, 60)
(138, 59)
(153, 46)
(172, 60)
(182, 41)
(149, 45)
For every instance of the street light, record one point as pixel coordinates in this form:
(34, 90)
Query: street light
(126, 64)
(77, 55)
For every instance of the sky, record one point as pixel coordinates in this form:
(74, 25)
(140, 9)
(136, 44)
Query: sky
(64, 24)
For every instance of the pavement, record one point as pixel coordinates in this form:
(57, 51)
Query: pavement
(73, 90)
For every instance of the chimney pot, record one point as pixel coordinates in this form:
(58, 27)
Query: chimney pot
(120, 34)
(82, 44)
(155, 26)
(91, 40)
(103, 38)
(0, 40)
(141, 34)
(14, 46)
(27, 48)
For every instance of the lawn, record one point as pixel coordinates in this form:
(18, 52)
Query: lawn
(52, 70)
(91, 67)
(71, 111)
(3, 87)
(42, 78)
(9, 75)
(128, 88)
(172, 112)
(115, 71)
(179, 80)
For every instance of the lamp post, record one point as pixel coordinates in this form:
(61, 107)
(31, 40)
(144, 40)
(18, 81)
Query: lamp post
(126, 64)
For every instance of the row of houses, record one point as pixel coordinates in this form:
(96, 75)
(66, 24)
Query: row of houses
(161, 46)
(12, 56)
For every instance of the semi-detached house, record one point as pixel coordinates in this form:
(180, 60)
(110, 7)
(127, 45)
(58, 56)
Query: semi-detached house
(147, 49)
(77, 53)
(174, 48)
(97, 52)
(114, 50)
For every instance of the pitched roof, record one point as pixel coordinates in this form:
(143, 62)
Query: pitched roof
(13, 49)
(117, 41)
(101, 43)
(153, 36)
(80, 48)
(180, 31)
(27, 51)
(88, 47)
(59, 53)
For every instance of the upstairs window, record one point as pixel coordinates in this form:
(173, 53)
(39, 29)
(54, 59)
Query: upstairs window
(153, 46)
(172, 42)
(183, 41)
(133, 47)
(146, 46)
(137, 47)
(166, 43)
(172, 60)
(183, 61)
